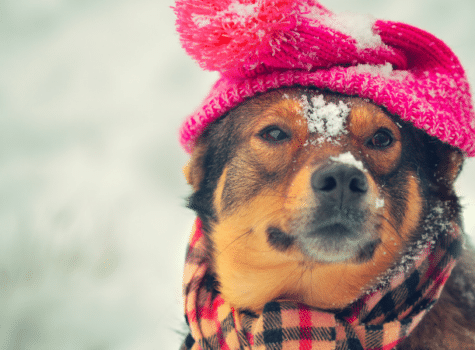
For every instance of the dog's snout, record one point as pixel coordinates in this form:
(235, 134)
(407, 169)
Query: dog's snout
(339, 182)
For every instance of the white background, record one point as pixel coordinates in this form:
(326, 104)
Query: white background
(93, 226)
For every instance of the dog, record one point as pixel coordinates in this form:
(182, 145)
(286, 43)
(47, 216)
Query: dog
(296, 206)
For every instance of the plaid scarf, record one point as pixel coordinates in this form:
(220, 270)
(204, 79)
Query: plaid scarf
(380, 319)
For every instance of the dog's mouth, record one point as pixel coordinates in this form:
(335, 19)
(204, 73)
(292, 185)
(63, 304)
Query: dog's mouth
(335, 239)
(338, 243)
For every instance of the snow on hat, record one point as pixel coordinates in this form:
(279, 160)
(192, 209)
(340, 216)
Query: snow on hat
(259, 45)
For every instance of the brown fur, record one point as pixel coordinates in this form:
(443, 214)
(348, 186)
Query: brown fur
(253, 188)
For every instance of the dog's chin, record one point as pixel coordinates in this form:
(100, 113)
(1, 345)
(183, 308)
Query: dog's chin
(337, 243)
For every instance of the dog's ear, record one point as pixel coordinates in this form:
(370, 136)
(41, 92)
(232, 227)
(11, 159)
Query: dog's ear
(450, 164)
(194, 169)
(442, 161)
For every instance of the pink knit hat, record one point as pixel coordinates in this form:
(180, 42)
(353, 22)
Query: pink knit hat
(259, 45)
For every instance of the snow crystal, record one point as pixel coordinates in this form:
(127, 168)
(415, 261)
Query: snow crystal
(260, 33)
(357, 26)
(328, 120)
(379, 203)
(311, 12)
(242, 10)
(201, 20)
(382, 70)
(348, 158)
(236, 12)
(379, 69)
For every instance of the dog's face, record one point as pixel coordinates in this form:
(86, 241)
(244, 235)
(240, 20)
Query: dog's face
(308, 196)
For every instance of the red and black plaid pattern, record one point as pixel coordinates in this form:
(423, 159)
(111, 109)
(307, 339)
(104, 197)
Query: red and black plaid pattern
(378, 320)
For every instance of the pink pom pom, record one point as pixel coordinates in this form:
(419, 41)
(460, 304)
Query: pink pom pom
(233, 36)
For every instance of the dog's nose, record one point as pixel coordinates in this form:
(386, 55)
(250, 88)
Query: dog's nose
(339, 184)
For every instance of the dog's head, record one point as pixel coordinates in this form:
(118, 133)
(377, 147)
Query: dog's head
(309, 195)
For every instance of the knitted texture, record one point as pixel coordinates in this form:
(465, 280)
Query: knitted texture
(259, 45)
(379, 320)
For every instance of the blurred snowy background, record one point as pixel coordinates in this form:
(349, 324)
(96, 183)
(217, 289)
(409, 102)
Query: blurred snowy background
(93, 226)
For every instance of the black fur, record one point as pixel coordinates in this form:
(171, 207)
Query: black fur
(279, 239)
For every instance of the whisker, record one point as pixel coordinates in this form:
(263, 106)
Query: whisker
(311, 282)
(299, 281)
(247, 233)
(339, 281)
(233, 241)
(291, 273)
(391, 225)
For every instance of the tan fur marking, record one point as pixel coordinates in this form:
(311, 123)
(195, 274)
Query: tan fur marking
(285, 115)
(451, 166)
(414, 207)
(219, 192)
(364, 121)
(193, 170)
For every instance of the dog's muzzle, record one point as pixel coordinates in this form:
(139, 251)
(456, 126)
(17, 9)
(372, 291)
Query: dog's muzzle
(337, 227)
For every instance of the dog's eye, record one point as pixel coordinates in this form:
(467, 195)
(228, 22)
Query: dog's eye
(382, 139)
(274, 134)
